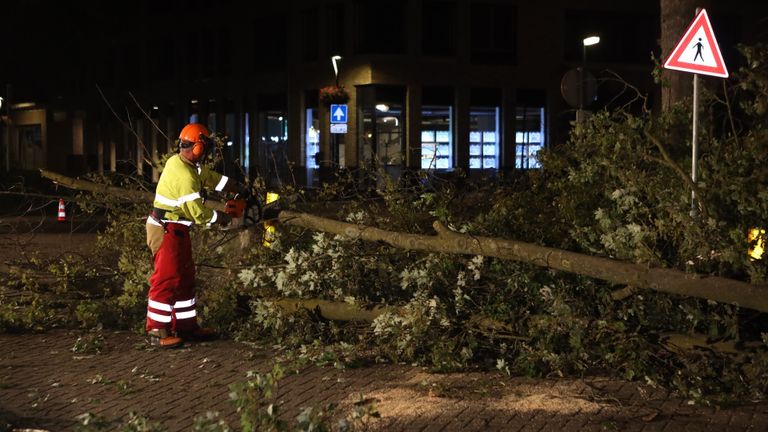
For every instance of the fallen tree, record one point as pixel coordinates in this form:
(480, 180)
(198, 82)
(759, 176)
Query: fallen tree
(115, 191)
(632, 275)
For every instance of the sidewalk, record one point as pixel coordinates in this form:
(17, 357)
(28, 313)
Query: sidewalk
(44, 385)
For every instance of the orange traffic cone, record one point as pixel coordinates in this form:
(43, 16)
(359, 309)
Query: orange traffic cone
(62, 213)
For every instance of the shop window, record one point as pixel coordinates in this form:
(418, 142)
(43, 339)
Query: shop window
(484, 138)
(380, 126)
(436, 137)
(211, 122)
(312, 138)
(529, 136)
(493, 33)
(28, 153)
(194, 111)
(439, 28)
(273, 125)
(247, 142)
(382, 133)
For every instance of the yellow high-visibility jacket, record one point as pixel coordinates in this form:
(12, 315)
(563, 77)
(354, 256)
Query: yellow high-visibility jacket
(179, 192)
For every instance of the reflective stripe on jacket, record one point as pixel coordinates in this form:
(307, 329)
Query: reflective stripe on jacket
(179, 191)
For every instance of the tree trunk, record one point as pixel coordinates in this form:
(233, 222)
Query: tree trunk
(330, 310)
(338, 311)
(126, 194)
(628, 274)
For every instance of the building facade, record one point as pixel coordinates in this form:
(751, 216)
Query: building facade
(473, 85)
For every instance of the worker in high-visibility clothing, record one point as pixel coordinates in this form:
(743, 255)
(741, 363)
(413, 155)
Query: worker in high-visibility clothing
(171, 315)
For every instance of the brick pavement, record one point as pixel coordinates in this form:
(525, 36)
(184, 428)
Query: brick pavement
(44, 385)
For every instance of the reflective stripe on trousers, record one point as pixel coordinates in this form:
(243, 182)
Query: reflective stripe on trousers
(171, 302)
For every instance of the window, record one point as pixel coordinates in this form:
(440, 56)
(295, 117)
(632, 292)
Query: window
(439, 28)
(484, 138)
(28, 151)
(529, 136)
(312, 138)
(269, 43)
(192, 58)
(380, 27)
(247, 142)
(207, 55)
(493, 33)
(335, 28)
(211, 122)
(311, 147)
(436, 137)
(381, 123)
(194, 111)
(224, 51)
(308, 29)
(625, 37)
(274, 142)
(129, 69)
(161, 58)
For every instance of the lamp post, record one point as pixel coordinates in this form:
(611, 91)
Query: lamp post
(588, 41)
(334, 139)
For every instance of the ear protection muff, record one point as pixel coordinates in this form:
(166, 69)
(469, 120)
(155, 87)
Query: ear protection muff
(198, 150)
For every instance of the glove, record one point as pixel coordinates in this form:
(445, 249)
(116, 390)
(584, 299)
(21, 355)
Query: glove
(223, 219)
(270, 213)
(244, 192)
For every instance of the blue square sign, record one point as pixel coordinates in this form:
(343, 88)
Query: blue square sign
(338, 113)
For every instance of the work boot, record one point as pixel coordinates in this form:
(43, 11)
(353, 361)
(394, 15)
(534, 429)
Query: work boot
(199, 334)
(163, 339)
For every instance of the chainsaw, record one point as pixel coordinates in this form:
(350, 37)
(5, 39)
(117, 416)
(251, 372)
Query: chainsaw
(248, 207)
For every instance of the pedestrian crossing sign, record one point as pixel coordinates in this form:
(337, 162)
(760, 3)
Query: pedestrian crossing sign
(698, 52)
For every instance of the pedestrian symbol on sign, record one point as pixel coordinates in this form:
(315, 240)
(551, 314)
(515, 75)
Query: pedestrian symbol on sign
(698, 47)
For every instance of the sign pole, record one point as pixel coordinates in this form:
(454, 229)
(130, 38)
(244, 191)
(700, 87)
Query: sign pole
(694, 142)
(694, 137)
(697, 53)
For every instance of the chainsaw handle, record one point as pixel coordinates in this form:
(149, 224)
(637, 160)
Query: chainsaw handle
(252, 203)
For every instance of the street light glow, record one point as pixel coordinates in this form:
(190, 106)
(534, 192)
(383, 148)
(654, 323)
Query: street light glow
(591, 40)
(334, 59)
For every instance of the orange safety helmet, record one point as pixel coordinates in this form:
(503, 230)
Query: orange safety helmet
(196, 136)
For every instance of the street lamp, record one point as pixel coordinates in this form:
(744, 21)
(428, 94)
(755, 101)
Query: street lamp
(588, 41)
(334, 59)
(591, 40)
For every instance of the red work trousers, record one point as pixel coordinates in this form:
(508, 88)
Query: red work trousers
(171, 303)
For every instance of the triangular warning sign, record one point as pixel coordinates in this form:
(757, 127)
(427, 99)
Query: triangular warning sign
(697, 51)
